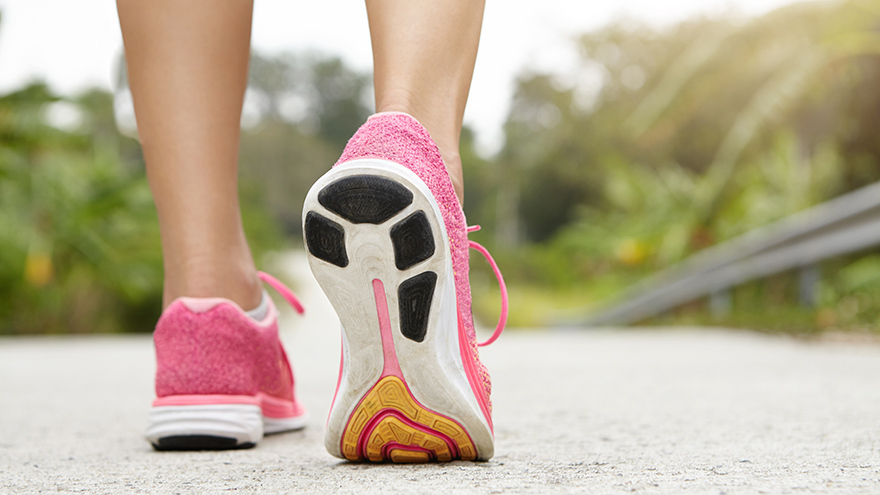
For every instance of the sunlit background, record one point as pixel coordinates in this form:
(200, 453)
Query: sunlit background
(74, 45)
(604, 143)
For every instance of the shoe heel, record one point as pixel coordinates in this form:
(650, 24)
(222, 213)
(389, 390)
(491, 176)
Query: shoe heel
(205, 427)
(390, 425)
(376, 243)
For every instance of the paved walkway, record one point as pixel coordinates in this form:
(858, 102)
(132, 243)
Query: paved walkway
(660, 411)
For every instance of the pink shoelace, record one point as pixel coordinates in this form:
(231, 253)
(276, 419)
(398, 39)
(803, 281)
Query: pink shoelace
(502, 318)
(283, 290)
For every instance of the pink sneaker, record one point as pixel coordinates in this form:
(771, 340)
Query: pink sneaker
(222, 378)
(387, 241)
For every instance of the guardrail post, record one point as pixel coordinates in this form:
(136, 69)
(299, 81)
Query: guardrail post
(808, 278)
(720, 303)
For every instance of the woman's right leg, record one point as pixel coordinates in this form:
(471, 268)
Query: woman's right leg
(187, 68)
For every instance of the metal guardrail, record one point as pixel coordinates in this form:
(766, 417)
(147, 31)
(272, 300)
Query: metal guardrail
(843, 225)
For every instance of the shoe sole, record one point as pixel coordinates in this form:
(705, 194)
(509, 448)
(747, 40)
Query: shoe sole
(216, 425)
(378, 247)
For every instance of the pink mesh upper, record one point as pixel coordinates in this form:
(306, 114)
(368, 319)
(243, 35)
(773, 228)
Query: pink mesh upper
(220, 351)
(400, 138)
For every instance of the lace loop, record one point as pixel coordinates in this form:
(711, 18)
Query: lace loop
(283, 290)
(502, 318)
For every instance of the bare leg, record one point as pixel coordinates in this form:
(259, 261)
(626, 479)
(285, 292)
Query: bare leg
(424, 53)
(187, 65)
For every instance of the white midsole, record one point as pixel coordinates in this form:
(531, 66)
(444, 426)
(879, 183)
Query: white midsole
(278, 425)
(243, 422)
(433, 369)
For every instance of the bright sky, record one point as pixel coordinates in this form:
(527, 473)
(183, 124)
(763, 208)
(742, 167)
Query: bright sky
(73, 44)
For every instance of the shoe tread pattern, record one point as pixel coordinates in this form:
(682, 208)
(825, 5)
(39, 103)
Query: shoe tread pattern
(390, 425)
(414, 297)
(413, 241)
(325, 239)
(365, 198)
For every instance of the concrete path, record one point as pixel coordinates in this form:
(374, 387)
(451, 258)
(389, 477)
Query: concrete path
(660, 411)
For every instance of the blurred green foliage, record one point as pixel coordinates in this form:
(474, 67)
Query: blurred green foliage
(308, 106)
(665, 141)
(79, 250)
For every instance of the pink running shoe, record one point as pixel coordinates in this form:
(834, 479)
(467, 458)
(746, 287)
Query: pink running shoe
(387, 241)
(222, 378)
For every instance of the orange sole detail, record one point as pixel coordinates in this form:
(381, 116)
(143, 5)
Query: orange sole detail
(390, 425)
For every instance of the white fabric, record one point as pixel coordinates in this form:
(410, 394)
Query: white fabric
(258, 313)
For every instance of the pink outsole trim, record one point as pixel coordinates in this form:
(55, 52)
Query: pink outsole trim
(271, 407)
(392, 368)
(384, 413)
(472, 376)
(389, 355)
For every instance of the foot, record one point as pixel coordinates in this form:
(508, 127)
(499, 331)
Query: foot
(222, 378)
(387, 241)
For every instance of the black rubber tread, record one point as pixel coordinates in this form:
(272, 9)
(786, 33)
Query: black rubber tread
(365, 198)
(413, 240)
(414, 297)
(199, 442)
(326, 239)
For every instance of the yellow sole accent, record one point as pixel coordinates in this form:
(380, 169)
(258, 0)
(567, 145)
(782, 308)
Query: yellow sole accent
(391, 393)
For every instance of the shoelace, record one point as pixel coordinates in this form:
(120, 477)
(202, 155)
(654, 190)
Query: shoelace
(502, 318)
(283, 290)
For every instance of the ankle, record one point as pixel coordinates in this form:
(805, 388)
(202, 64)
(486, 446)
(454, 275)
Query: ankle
(452, 160)
(236, 281)
(443, 131)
